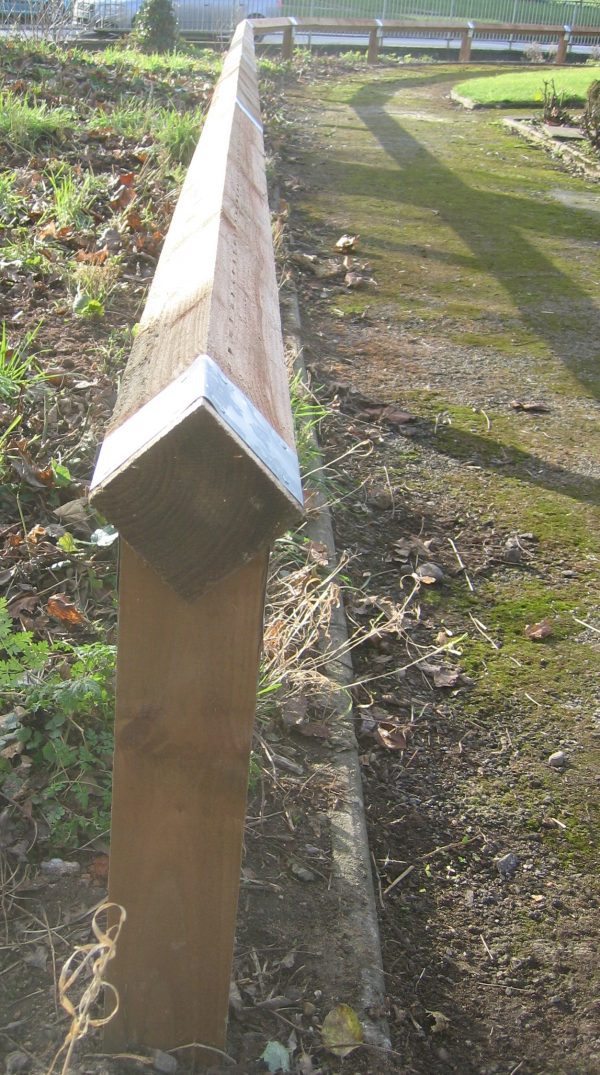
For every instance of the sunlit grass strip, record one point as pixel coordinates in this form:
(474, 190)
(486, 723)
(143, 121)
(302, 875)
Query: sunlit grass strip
(26, 125)
(526, 89)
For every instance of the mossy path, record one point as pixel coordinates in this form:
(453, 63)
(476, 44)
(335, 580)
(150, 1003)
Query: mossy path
(483, 324)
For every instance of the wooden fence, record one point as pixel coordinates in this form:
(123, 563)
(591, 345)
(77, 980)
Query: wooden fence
(467, 34)
(199, 473)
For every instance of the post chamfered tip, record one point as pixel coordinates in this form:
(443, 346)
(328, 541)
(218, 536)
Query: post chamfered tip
(197, 481)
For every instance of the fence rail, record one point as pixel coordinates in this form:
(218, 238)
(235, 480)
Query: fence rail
(465, 36)
(198, 470)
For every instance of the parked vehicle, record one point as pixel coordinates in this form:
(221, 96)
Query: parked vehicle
(210, 16)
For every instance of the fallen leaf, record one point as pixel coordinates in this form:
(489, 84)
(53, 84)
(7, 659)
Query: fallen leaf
(537, 631)
(74, 513)
(318, 553)
(397, 417)
(35, 534)
(276, 1057)
(356, 280)
(98, 869)
(533, 408)
(315, 729)
(305, 1065)
(21, 604)
(391, 736)
(445, 676)
(93, 257)
(341, 1031)
(60, 608)
(441, 1022)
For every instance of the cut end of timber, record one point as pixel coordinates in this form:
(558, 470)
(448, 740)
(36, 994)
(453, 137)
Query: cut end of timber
(197, 481)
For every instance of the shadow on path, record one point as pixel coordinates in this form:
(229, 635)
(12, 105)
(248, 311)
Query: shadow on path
(499, 229)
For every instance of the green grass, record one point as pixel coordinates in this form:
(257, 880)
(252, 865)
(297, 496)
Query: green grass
(73, 196)
(188, 62)
(526, 89)
(12, 203)
(18, 366)
(26, 125)
(178, 133)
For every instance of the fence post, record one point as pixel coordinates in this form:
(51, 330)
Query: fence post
(200, 440)
(564, 41)
(287, 41)
(374, 39)
(466, 41)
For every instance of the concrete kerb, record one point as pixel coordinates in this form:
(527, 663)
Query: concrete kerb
(351, 865)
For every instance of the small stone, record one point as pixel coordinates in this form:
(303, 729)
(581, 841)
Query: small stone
(16, 1063)
(302, 873)
(381, 498)
(507, 864)
(558, 760)
(55, 868)
(429, 571)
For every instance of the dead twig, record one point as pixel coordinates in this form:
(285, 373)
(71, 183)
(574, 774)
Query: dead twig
(405, 873)
(461, 565)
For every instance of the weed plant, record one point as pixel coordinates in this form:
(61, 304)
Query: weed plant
(59, 726)
(18, 366)
(12, 203)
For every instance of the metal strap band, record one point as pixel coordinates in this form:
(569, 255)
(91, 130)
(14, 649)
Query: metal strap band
(379, 22)
(248, 113)
(293, 20)
(202, 384)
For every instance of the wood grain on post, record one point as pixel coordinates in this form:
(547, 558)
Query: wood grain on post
(563, 46)
(187, 665)
(287, 43)
(465, 46)
(194, 492)
(373, 49)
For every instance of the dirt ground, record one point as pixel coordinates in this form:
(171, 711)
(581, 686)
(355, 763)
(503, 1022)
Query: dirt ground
(458, 367)
(462, 376)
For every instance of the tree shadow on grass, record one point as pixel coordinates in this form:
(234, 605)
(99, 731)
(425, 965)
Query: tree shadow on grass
(499, 229)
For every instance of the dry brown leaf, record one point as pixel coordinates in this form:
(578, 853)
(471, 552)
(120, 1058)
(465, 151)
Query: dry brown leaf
(391, 736)
(60, 608)
(538, 631)
(315, 729)
(445, 676)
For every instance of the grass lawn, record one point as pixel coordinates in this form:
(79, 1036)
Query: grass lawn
(522, 89)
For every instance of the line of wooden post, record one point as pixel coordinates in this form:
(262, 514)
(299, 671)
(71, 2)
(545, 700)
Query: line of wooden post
(376, 28)
(198, 470)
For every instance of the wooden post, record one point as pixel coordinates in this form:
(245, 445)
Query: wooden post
(208, 364)
(374, 38)
(563, 45)
(287, 42)
(466, 42)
